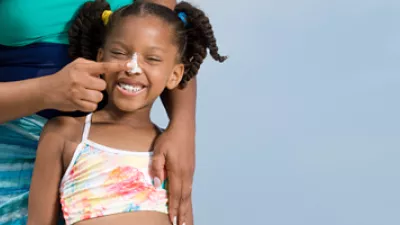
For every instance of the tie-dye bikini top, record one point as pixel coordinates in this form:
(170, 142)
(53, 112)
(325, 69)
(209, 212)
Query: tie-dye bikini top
(101, 181)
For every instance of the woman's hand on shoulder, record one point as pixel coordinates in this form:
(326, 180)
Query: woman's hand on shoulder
(174, 152)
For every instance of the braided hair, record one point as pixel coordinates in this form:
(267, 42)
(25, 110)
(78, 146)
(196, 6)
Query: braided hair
(88, 32)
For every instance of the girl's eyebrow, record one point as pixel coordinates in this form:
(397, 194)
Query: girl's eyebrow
(121, 43)
(157, 48)
(152, 47)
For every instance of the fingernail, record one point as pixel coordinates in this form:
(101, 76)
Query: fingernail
(129, 64)
(175, 221)
(184, 224)
(157, 182)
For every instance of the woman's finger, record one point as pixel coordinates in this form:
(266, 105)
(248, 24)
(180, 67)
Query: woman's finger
(91, 96)
(157, 168)
(175, 190)
(93, 83)
(86, 106)
(96, 68)
(185, 197)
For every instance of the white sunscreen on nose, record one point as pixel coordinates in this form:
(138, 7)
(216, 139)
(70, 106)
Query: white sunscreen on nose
(134, 64)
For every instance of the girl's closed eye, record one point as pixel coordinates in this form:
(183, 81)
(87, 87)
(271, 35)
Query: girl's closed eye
(118, 54)
(153, 59)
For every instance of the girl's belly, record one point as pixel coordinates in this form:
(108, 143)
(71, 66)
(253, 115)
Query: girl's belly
(130, 218)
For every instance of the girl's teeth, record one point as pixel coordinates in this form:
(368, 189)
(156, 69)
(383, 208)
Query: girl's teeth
(130, 88)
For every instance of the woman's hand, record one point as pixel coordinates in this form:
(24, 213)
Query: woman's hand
(174, 153)
(77, 87)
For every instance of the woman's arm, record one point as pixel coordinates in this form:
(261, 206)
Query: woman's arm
(174, 150)
(21, 98)
(180, 105)
(75, 87)
(43, 208)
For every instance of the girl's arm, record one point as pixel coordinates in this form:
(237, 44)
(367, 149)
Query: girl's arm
(43, 208)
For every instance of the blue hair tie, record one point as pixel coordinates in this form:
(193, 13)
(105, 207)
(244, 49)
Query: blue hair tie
(183, 17)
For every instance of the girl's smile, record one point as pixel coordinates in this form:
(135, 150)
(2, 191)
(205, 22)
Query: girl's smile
(130, 87)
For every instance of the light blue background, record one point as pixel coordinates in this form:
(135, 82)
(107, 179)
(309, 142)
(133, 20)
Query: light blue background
(301, 125)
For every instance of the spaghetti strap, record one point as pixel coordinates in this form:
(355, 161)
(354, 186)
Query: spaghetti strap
(86, 128)
(161, 130)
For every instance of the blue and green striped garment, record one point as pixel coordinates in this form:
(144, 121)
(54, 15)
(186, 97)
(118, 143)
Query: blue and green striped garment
(19, 138)
(18, 143)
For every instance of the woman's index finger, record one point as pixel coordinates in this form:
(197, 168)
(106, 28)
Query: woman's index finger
(97, 68)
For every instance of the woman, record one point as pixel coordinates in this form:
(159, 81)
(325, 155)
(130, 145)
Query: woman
(38, 81)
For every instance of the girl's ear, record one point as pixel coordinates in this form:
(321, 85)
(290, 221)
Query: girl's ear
(176, 76)
(100, 55)
(99, 58)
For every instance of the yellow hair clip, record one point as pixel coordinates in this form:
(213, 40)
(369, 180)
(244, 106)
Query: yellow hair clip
(105, 16)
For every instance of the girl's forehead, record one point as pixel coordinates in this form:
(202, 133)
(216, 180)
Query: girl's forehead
(143, 25)
(149, 29)
(143, 22)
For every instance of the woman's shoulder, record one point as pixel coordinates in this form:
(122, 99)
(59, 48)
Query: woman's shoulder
(116, 4)
(66, 127)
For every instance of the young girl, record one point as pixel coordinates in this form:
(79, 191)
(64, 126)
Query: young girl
(97, 166)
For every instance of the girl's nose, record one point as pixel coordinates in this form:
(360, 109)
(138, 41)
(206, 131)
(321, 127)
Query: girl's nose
(134, 63)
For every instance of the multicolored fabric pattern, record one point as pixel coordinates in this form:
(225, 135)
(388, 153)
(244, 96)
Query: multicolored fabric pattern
(103, 181)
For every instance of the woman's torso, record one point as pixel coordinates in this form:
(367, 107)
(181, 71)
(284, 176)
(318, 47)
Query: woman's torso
(45, 21)
(98, 148)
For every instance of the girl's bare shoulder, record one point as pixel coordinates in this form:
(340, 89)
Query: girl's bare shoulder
(67, 128)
